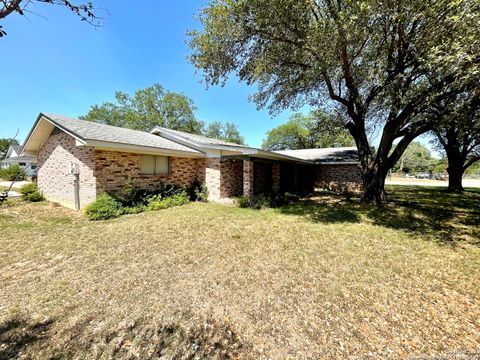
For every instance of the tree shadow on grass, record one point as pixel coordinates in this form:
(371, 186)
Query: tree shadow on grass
(429, 212)
(17, 334)
(322, 212)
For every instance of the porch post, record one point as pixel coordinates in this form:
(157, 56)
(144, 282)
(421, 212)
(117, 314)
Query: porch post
(212, 178)
(248, 177)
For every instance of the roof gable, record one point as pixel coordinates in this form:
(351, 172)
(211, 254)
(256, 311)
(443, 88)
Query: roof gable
(101, 136)
(13, 151)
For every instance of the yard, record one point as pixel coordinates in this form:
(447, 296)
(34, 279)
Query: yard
(324, 278)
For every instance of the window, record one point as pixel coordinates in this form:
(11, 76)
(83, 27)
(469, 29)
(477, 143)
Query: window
(33, 167)
(22, 164)
(154, 165)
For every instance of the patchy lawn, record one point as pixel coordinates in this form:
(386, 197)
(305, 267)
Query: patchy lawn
(326, 278)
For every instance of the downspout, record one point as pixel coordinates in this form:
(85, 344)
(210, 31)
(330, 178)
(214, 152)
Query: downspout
(76, 185)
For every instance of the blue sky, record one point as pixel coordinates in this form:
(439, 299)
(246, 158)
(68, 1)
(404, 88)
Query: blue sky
(52, 62)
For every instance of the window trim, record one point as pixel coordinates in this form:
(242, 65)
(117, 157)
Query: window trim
(155, 173)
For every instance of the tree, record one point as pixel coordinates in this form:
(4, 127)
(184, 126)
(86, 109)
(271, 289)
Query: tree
(149, 107)
(458, 134)
(382, 63)
(85, 11)
(4, 145)
(155, 106)
(416, 158)
(316, 130)
(223, 131)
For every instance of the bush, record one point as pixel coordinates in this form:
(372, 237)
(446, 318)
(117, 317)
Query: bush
(30, 192)
(198, 191)
(13, 172)
(105, 207)
(156, 202)
(243, 201)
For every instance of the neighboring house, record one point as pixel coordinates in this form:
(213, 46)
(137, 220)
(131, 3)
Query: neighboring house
(27, 163)
(78, 160)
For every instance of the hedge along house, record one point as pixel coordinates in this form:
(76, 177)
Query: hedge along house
(78, 160)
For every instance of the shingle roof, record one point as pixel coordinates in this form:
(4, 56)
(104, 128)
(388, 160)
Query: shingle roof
(325, 155)
(88, 130)
(198, 139)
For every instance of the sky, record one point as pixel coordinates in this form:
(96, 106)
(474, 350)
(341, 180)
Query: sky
(52, 62)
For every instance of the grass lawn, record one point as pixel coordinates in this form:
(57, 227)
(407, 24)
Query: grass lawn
(324, 278)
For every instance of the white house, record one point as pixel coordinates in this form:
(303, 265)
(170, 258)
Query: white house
(28, 163)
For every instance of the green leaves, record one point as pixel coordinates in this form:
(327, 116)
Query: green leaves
(316, 130)
(156, 106)
(223, 131)
(147, 108)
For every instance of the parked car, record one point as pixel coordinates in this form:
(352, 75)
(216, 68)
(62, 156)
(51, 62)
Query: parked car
(409, 176)
(423, 175)
(439, 176)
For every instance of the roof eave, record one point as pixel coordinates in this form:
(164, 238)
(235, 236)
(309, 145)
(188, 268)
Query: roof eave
(141, 149)
(42, 116)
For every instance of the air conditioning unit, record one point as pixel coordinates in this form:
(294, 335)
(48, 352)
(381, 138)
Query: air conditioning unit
(73, 169)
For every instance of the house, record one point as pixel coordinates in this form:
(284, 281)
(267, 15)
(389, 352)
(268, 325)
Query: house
(27, 163)
(78, 160)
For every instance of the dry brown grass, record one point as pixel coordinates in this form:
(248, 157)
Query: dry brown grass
(212, 281)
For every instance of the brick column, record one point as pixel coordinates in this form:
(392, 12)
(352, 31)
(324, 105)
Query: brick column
(248, 177)
(212, 178)
(276, 177)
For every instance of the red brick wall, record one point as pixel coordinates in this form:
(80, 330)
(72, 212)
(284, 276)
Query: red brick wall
(262, 177)
(114, 168)
(231, 177)
(54, 159)
(339, 178)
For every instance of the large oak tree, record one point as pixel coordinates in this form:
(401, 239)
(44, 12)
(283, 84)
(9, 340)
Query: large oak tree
(458, 134)
(380, 62)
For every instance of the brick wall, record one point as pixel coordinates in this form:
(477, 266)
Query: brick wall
(54, 159)
(212, 177)
(339, 178)
(262, 177)
(114, 168)
(231, 178)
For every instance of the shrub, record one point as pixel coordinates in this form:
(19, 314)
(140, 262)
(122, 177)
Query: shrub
(198, 191)
(157, 202)
(105, 207)
(131, 210)
(30, 192)
(128, 193)
(13, 172)
(243, 201)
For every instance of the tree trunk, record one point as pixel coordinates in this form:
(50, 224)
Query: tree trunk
(455, 174)
(374, 185)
